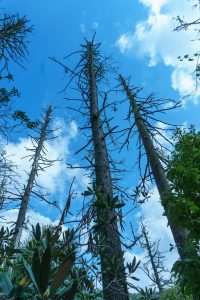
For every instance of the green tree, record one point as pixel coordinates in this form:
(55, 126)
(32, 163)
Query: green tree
(183, 173)
(174, 293)
(14, 32)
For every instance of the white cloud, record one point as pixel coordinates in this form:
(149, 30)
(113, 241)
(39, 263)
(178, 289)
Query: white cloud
(125, 42)
(57, 178)
(152, 212)
(155, 39)
(154, 5)
(183, 82)
(144, 280)
(54, 177)
(33, 217)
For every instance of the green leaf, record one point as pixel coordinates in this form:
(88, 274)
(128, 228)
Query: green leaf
(38, 232)
(36, 267)
(5, 284)
(87, 193)
(99, 204)
(71, 292)
(119, 205)
(45, 269)
(30, 272)
(62, 272)
(135, 266)
(19, 293)
(135, 278)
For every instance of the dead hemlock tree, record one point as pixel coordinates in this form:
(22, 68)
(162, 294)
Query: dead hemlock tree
(7, 178)
(89, 74)
(13, 43)
(154, 265)
(40, 162)
(144, 112)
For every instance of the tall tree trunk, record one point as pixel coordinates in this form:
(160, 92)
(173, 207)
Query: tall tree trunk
(156, 167)
(114, 278)
(31, 180)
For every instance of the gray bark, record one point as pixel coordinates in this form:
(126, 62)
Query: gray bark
(31, 180)
(156, 167)
(114, 280)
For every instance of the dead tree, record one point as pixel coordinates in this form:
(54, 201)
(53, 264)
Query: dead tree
(143, 111)
(183, 24)
(13, 39)
(7, 178)
(116, 281)
(40, 163)
(89, 73)
(155, 259)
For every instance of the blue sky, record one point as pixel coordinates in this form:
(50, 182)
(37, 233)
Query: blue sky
(59, 29)
(139, 35)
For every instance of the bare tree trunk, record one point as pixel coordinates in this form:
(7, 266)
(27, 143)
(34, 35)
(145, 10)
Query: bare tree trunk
(114, 278)
(31, 180)
(156, 167)
(7, 175)
(151, 256)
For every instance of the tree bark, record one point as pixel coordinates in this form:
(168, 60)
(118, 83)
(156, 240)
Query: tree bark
(156, 167)
(30, 183)
(114, 279)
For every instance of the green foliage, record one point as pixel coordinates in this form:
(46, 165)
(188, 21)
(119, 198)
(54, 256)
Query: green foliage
(13, 47)
(173, 293)
(148, 294)
(5, 96)
(184, 206)
(187, 272)
(101, 202)
(194, 57)
(43, 268)
(21, 116)
(6, 250)
(9, 116)
(184, 174)
(132, 267)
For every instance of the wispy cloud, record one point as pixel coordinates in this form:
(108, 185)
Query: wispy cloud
(155, 39)
(57, 178)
